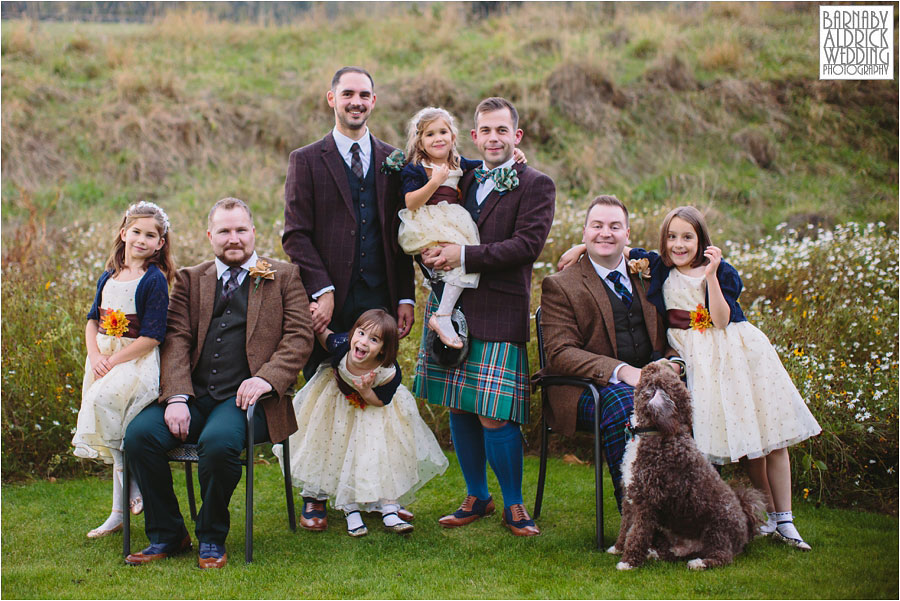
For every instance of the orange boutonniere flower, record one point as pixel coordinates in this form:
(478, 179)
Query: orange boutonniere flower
(641, 266)
(700, 319)
(356, 400)
(262, 271)
(114, 323)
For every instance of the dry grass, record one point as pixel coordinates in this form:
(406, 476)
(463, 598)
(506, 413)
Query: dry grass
(724, 55)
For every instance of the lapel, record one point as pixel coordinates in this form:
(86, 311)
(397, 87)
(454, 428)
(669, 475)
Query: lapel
(254, 302)
(379, 154)
(494, 197)
(335, 164)
(596, 287)
(651, 316)
(208, 281)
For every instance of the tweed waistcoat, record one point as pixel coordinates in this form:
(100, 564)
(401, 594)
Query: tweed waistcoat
(223, 361)
(633, 345)
(369, 263)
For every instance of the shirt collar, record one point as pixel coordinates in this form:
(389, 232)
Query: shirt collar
(222, 267)
(603, 271)
(344, 143)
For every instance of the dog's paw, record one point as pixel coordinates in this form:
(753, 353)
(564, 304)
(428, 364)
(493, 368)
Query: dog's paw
(614, 551)
(652, 554)
(623, 565)
(696, 564)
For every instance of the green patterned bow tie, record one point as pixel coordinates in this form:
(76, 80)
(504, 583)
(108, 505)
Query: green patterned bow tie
(505, 178)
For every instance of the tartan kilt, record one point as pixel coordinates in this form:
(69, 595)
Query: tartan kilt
(492, 381)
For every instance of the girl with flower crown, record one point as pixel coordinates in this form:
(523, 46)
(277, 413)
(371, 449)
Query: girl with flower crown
(745, 406)
(126, 323)
(434, 213)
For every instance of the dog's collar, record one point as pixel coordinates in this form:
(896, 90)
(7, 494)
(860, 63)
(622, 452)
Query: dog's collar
(631, 432)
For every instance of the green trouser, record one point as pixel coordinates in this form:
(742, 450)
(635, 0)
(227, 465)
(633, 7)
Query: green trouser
(220, 430)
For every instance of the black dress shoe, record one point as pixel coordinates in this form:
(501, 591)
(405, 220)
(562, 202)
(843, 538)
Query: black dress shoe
(159, 551)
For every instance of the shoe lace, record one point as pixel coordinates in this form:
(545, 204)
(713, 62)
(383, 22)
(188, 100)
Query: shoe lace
(518, 513)
(468, 503)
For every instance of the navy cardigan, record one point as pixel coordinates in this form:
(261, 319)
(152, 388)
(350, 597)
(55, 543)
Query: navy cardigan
(151, 299)
(729, 282)
(339, 345)
(413, 176)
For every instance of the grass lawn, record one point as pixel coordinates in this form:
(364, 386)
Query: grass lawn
(46, 555)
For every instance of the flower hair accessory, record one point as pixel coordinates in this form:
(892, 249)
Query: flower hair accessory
(700, 319)
(261, 271)
(394, 162)
(114, 323)
(152, 206)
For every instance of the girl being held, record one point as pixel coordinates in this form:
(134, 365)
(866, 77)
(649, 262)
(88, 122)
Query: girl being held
(124, 326)
(745, 406)
(360, 439)
(434, 213)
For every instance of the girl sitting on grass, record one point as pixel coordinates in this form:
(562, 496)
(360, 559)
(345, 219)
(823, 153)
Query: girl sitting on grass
(124, 326)
(745, 406)
(360, 439)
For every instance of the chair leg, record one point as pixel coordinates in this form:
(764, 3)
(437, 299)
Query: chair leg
(598, 472)
(288, 485)
(126, 509)
(542, 474)
(189, 483)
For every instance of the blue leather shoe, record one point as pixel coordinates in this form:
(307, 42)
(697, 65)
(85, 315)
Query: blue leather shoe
(212, 556)
(159, 551)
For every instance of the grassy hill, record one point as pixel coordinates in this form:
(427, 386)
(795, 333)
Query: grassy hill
(716, 105)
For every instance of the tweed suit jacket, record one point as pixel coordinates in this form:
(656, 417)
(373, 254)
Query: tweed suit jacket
(320, 221)
(279, 336)
(580, 335)
(513, 226)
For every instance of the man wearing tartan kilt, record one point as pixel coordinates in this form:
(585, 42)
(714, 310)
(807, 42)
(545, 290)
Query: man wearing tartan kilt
(598, 324)
(488, 393)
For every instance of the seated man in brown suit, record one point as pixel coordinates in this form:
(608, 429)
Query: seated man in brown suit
(598, 324)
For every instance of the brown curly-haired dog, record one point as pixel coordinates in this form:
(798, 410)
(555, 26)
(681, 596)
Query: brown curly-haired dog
(676, 505)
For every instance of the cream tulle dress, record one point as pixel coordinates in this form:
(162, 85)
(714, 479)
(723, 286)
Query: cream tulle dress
(109, 404)
(745, 403)
(359, 456)
(444, 221)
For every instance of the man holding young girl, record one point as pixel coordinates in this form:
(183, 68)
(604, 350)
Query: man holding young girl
(488, 393)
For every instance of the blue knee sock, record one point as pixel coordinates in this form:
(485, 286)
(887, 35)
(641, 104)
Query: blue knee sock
(504, 450)
(468, 441)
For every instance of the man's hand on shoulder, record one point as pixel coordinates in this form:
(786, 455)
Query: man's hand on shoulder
(250, 390)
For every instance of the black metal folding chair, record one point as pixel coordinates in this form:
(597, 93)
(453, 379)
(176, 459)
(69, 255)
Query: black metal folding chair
(546, 382)
(187, 453)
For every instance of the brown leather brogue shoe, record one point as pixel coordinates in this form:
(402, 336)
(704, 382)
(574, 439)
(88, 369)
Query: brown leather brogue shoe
(159, 551)
(471, 509)
(313, 516)
(516, 518)
(212, 555)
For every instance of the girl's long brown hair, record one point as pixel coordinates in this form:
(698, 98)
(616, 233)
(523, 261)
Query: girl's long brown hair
(161, 258)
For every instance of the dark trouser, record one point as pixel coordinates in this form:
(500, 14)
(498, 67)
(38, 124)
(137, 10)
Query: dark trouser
(360, 298)
(220, 430)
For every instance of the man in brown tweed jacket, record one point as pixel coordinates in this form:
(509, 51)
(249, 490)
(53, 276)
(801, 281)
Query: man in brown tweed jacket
(234, 338)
